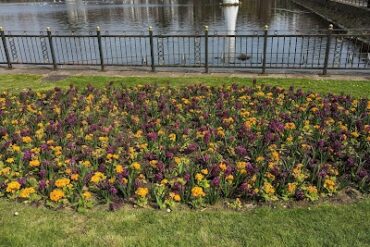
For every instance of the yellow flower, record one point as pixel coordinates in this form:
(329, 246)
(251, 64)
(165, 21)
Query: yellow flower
(230, 178)
(260, 159)
(104, 139)
(9, 160)
(26, 192)
(268, 188)
(222, 166)
(142, 192)
(177, 160)
(241, 165)
(289, 126)
(136, 166)
(172, 137)
(13, 187)
(75, 176)
(197, 192)
(5, 171)
(177, 198)
(292, 188)
(142, 146)
(220, 132)
(199, 177)
(16, 148)
(27, 139)
(119, 169)
(289, 139)
(229, 120)
(56, 195)
(87, 195)
(62, 182)
(275, 155)
(138, 134)
(312, 189)
(97, 177)
(270, 176)
(355, 134)
(153, 163)
(329, 184)
(34, 163)
(204, 171)
(89, 137)
(86, 163)
(57, 110)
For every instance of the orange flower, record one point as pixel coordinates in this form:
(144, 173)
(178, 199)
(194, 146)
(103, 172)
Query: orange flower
(56, 195)
(197, 192)
(142, 192)
(34, 163)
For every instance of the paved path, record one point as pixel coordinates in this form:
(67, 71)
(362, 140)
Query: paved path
(88, 71)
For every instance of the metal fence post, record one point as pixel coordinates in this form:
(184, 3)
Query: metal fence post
(264, 49)
(206, 48)
(327, 51)
(5, 48)
(100, 48)
(151, 48)
(50, 38)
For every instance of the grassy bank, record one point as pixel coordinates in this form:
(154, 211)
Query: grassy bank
(323, 225)
(37, 82)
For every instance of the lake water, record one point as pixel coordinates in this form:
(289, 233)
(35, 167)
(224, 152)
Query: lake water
(166, 16)
(174, 17)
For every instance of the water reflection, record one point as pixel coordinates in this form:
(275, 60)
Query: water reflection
(231, 15)
(164, 15)
(76, 12)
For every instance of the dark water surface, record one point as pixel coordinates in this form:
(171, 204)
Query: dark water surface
(175, 17)
(166, 16)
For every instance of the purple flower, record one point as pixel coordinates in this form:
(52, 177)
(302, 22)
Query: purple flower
(276, 126)
(158, 177)
(169, 155)
(299, 195)
(363, 173)
(113, 190)
(22, 181)
(215, 182)
(42, 184)
(152, 136)
(42, 173)
(241, 151)
(191, 148)
(44, 147)
(187, 177)
(207, 137)
(27, 155)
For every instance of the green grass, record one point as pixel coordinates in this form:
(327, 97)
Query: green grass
(17, 83)
(322, 225)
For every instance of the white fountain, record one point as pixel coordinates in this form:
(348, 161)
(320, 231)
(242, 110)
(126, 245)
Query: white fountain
(231, 15)
(230, 2)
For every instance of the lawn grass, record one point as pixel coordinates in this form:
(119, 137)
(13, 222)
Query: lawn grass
(321, 225)
(17, 83)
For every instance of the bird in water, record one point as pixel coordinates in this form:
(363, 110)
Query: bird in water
(243, 57)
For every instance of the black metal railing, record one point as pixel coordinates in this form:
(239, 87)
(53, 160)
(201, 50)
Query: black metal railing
(324, 50)
(356, 3)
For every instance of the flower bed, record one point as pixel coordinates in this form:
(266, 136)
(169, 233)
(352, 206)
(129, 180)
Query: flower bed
(194, 145)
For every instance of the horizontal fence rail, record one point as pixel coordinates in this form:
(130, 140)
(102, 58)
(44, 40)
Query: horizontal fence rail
(356, 3)
(328, 50)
